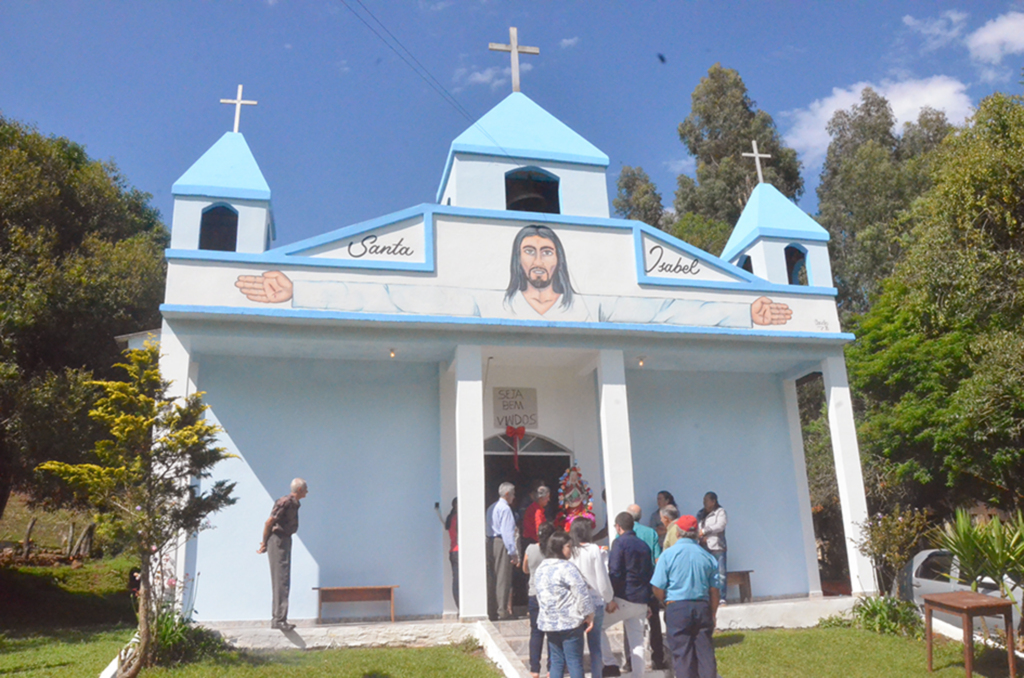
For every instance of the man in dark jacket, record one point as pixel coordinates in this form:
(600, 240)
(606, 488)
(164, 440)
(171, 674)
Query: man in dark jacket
(277, 542)
(630, 568)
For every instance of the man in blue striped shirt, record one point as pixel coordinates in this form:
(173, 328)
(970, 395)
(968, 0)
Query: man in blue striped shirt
(686, 580)
(502, 555)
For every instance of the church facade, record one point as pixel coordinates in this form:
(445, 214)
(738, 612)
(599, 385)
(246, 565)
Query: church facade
(502, 332)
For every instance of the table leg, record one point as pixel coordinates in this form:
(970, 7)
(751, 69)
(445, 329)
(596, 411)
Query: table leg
(928, 633)
(969, 644)
(392, 606)
(1010, 644)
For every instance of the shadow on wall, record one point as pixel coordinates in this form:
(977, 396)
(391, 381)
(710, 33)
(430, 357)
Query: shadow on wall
(365, 436)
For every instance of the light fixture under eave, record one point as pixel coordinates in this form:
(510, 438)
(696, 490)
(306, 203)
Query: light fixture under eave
(392, 353)
(640, 361)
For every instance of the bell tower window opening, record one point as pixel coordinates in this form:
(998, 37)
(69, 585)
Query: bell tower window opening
(746, 264)
(218, 229)
(531, 190)
(796, 265)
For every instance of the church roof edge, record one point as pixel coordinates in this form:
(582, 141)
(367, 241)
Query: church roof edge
(227, 170)
(770, 214)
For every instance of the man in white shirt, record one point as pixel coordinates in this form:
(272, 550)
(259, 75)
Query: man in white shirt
(502, 556)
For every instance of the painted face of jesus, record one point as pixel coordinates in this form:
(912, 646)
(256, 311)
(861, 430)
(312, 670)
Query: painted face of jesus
(539, 260)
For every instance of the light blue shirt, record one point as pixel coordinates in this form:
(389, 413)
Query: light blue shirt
(686, 572)
(501, 523)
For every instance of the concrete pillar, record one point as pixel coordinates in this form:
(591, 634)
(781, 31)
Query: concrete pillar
(616, 448)
(449, 473)
(469, 460)
(848, 471)
(796, 441)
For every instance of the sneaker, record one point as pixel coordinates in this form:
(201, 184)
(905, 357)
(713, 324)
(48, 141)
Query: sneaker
(611, 670)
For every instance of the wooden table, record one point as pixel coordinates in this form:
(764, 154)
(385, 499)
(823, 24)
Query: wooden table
(354, 594)
(742, 579)
(968, 605)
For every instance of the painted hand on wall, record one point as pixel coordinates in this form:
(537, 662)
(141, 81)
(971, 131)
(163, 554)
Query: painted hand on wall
(766, 312)
(272, 287)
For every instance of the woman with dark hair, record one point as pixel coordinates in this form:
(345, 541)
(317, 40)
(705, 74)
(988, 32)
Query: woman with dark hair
(451, 523)
(665, 498)
(531, 561)
(586, 556)
(566, 611)
(712, 521)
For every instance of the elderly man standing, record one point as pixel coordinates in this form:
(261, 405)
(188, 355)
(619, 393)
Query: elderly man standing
(686, 580)
(501, 552)
(277, 542)
(534, 516)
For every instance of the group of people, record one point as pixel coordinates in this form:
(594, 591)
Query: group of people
(577, 589)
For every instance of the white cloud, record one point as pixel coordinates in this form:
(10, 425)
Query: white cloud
(343, 66)
(439, 6)
(495, 76)
(940, 31)
(807, 133)
(569, 42)
(687, 165)
(998, 38)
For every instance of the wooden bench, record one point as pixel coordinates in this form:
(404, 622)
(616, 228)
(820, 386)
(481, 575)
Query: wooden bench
(740, 578)
(354, 594)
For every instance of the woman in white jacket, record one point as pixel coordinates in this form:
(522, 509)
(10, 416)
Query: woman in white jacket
(587, 557)
(712, 534)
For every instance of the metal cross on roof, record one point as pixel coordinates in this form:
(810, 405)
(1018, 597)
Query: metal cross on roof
(757, 160)
(516, 49)
(238, 102)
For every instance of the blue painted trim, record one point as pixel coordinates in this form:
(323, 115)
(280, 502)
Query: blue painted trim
(265, 260)
(220, 192)
(531, 154)
(302, 314)
(346, 232)
(773, 234)
(444, 177)
(748, 282)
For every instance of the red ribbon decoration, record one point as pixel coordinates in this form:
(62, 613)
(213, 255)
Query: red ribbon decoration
(516, 434)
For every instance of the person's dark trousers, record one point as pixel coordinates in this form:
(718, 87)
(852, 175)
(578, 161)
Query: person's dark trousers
(566, 650)
(279, 552)
(492, 605)
(689, 628)
(536, 638)
(453, 556)
(657, 644)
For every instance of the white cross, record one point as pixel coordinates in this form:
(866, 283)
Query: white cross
(516, 49)
(238, 102)
(757, 160)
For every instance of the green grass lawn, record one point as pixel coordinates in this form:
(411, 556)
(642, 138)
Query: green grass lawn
(844, 653)
(64, 653)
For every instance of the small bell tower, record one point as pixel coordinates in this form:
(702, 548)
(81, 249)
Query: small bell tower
(222, 202)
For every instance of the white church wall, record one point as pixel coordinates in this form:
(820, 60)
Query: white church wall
(479, 181)
(365, 436)
(727, 433)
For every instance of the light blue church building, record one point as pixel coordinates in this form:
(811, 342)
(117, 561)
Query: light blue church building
(385, 361)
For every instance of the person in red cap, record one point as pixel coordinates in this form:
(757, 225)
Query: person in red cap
(686, 580)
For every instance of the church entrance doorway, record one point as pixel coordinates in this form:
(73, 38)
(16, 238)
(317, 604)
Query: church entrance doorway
(541, 462)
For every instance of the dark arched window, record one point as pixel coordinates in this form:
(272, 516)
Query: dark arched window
(219, 229)
(745, 263)
(796, 265)
(530, 189)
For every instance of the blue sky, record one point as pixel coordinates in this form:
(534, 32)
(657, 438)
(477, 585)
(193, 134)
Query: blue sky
(345, 131)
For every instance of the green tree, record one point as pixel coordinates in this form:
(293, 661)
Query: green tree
(938, 360)
(81, 261)
(143, 473)
(723, 121)
(638, 197)
(869, 178)
(710, 235)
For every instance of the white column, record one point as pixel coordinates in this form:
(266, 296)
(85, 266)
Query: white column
(803, 492)
(616, 448)
(449, 479)
(469, 460)
(178, 367)
(848, 471)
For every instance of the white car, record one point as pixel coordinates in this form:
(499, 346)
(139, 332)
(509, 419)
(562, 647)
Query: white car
(936, 571)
